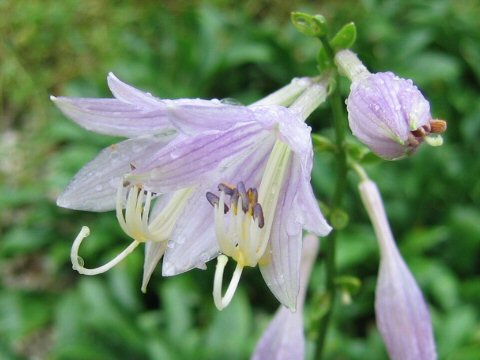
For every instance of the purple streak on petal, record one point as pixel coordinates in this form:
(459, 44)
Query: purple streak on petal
(194, 234)
(194, 116)
(281, 269)
(402, 313)
(192, 160)
(94, 187)
(114, 117)
(193, 238)
(284, 337)
(296, 134)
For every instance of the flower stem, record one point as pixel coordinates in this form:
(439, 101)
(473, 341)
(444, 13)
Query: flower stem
(341, 182)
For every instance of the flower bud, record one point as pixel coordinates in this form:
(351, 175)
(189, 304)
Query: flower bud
(387, 113)
(402, 314)
(284, 338)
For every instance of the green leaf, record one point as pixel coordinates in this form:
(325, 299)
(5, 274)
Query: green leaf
(344, 38)
(310, 25)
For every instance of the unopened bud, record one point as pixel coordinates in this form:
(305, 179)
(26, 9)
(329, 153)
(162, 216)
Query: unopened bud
(387, 113)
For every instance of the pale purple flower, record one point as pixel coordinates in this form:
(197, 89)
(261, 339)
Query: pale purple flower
(284, 337)
(191, 148)
(252, 195)
(402, 313)
(387, 113)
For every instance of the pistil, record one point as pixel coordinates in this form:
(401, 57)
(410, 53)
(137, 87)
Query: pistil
(136, 223)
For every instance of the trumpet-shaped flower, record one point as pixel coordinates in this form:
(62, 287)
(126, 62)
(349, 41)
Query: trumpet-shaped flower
(284, 337)
(402, 314)
(255, 177)
(265, 146)
(387, 113)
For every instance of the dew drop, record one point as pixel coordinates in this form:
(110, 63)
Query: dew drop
(293, 228)
(181, 239)
(175, 153)
(98, 187)
(170, 244)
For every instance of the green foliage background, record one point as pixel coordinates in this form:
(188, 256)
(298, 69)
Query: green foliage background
(224, 49)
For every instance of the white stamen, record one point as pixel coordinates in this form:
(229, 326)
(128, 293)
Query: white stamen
(246, 242)
(84, 232)
(222, 302)
(135, 223)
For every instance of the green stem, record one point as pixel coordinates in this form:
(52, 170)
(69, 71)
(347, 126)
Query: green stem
(341, 164)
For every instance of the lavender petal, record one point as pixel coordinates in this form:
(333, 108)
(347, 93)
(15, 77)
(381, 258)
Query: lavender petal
(94, 187)
(193, 160)
(281, 264)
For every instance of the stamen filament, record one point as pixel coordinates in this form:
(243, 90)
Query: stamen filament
(146, 210)
(74, 257)
(119, 213)
(222, 302)
(226, 245)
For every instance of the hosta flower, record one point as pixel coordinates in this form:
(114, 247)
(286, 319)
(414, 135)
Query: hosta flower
(252, 195)
(213, 146)
(284, 337)
(387, 113)
(402, 314)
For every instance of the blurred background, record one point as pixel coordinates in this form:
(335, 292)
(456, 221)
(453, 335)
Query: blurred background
(219, 49)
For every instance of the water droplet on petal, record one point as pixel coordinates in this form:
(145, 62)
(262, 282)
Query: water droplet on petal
(98, 187)
(175, 153)
(170, 244)
(181, 239)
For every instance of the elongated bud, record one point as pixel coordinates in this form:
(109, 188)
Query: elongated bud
(284, 338)
(402, 314)
(387, 113)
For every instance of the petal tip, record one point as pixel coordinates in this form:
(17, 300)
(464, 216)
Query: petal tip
(61, 202)
(168, 269)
